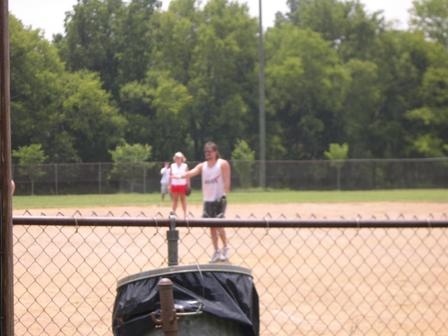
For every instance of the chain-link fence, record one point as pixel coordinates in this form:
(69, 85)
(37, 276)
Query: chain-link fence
(101, 178)
(313, 277)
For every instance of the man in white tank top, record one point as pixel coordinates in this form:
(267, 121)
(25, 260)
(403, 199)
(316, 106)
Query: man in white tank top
(215, 185)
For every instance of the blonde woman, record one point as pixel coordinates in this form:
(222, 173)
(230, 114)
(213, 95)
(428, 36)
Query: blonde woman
(179, 185)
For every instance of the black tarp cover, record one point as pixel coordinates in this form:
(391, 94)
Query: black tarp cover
(224, 291)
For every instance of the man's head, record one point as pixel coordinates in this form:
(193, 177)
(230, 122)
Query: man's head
(211, 151)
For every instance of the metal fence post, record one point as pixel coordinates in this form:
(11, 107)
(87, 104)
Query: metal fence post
(100, 178)
(172, 236)
(56, 179)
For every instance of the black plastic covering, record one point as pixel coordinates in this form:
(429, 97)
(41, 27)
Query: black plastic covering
(223, 292)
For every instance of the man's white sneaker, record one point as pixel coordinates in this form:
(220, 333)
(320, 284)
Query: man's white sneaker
(216, 256)
(225, 254)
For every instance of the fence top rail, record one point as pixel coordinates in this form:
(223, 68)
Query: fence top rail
(234, 223)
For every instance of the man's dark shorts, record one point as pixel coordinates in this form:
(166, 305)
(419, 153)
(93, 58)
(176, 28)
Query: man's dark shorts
(215, 209)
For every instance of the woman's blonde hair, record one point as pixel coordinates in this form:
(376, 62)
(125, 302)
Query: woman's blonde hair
(179, 154)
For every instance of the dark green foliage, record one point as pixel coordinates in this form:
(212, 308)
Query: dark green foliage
(130, 71)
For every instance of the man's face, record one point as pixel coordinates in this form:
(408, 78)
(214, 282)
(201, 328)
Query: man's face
(209, 153)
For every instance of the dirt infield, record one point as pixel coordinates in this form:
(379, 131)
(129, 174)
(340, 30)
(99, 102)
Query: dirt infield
(368, 282)
(379, 210)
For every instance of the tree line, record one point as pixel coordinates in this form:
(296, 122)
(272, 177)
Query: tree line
(131, 75)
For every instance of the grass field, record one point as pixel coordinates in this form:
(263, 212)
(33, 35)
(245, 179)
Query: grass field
(237, 197)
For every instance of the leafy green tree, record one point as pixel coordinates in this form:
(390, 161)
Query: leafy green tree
(431, 17)
(130, 162)
(175, 34)
(306, 87)
(158, 105)
(92, 31)
(172, 102)
(223, 75)
(177, 78)
(69, 114)
(90, 117)
(30, 159)
(337, 154)
(243, 161)
(157, 112)
(37, 78)
(111, 37)
(126, 153)
(136, 104)
(430, 136)
(36, 72)
(361, 105)
(345, 24)
(202, 74)
(135, 40)
(402, 59)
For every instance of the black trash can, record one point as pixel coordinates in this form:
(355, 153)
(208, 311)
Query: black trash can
(212, 299)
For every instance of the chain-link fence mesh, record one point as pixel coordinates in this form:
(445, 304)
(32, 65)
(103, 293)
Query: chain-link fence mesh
(378, 279)
(353, 174)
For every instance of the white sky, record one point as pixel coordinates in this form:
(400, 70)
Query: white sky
(48, 15)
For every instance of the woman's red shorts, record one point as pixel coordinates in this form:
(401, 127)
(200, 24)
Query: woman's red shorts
(179, 189)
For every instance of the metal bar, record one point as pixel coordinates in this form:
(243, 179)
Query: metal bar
(232, 223)
(6, 249)
(261, 103)
(167, 311)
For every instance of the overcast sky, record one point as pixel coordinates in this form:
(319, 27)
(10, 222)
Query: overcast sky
(48, 15)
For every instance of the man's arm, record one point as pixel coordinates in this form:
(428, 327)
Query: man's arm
(194, 172)
(226, 175)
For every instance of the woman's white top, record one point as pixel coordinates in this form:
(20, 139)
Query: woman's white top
(177, 170)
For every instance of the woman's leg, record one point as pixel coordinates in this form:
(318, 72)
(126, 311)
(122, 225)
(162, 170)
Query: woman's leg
(175, 198)
(183, 200)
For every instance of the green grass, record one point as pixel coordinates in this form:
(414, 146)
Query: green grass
(241, 197)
